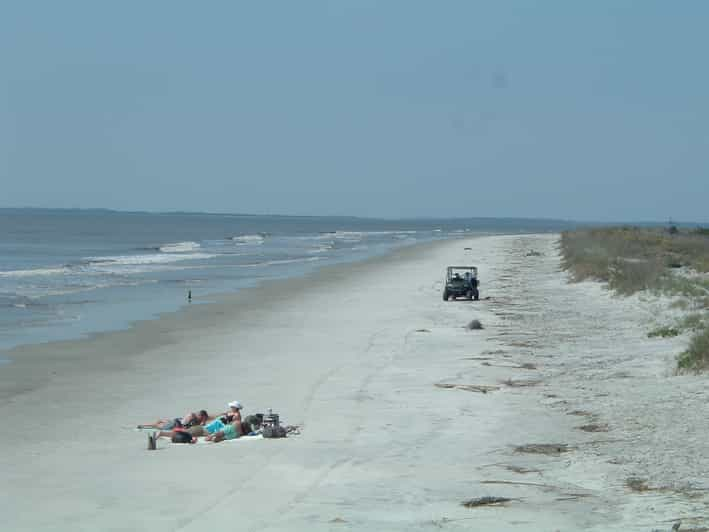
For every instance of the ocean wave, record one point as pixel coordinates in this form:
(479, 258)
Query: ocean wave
(277, 262)
(321, 249)
(356, 236)
(248, 239)
(349, 236)
(170, 253)
(34, 272)
(32, 295)
(101, 263)
(180, 247)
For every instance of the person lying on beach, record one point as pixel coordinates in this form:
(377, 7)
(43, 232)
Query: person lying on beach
(189, 420)
(193, 425)
(177, 435)
(226, 427)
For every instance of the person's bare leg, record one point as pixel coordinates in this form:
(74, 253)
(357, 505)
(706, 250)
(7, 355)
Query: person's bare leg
(219, 436)
(163, 434)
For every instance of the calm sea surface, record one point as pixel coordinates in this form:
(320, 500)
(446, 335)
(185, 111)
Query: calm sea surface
(66, 273)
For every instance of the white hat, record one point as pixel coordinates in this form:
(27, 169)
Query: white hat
(235, 404)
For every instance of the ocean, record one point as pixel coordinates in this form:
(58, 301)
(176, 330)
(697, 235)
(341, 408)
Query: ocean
(67, 273)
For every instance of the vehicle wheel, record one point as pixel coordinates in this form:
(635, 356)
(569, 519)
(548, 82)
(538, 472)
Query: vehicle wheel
(445, 295)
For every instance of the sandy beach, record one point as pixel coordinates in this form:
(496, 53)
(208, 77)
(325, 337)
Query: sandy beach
(384, 380)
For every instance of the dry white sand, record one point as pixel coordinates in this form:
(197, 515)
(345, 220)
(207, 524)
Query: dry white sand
(353, 355)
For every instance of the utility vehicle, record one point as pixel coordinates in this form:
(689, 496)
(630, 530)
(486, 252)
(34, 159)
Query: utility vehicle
(461, 281)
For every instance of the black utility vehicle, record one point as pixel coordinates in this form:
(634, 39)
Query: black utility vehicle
(461, 281)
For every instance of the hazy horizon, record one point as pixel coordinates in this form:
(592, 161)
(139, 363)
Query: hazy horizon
(584, 112)
(679, 222)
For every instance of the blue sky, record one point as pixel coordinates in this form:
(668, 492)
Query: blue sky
(583, 110)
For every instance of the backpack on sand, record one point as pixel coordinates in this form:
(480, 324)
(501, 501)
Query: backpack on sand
(274, 431)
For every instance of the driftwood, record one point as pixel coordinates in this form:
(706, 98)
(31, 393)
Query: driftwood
(525, 365)
(521, 383)
(594, 427)
(485, 501)
(521, 470)
(543, 448)
(579, 413)
(481, 388)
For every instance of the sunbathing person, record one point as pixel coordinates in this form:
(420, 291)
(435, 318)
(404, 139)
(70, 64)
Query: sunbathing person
(228, 426)
(169, 424)
(192, 426)
(177, 435)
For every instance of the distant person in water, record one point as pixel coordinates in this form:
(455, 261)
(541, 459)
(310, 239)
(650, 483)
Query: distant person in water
(189, 296)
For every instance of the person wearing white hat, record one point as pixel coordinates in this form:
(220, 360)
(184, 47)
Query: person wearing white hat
(231, 424)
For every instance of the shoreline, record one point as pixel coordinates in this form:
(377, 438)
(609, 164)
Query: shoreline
(221, 307)
(123, 324)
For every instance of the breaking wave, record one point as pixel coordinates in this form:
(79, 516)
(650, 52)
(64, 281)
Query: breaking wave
(180, 247)
(248, 239)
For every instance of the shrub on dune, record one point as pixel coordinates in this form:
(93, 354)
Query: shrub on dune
(696, 357)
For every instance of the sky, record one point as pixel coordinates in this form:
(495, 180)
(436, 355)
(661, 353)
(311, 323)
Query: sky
(576, 110)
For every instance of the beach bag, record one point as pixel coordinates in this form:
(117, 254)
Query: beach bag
(274, 432)
(181, 437)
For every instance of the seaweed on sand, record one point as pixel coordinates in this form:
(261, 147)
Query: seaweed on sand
(485, 501)
(543, 448)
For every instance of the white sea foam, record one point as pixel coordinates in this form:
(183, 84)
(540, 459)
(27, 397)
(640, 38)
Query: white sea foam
(99, 263)
(36, 272)
(356, 236)
(280, 261)
(321, 249)
(180, 247)
(34, 293)
(248, 239)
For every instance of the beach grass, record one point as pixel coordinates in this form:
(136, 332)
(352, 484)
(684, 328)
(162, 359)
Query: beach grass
(696, 356)
(667, 261)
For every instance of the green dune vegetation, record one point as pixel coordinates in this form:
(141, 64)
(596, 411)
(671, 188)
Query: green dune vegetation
(668, 261)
